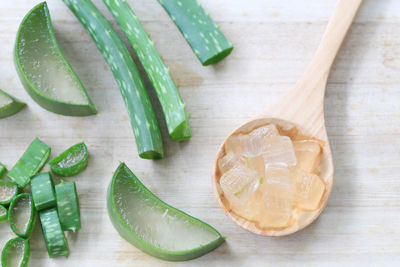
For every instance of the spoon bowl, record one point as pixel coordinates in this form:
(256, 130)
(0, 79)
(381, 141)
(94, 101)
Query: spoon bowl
(300, 112)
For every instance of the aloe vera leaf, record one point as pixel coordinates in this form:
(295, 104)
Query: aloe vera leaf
(143, 119)
(3, 213)
(54, 237)
(22, 215)
(43, 69)
(68, 206)
(31, 162)
(16, 252)
(153, 226)
(8, 190)
(174, 110)
(9, 105)
(43, 193)
(3, 169)
(71, 162)
(202, 34)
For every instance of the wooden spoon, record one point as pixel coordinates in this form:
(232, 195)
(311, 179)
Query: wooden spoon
(303, 107)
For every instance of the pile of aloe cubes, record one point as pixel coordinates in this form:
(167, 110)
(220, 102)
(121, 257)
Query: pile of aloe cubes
(27, 193)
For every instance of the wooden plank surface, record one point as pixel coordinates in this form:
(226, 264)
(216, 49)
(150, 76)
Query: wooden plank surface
(274, 41)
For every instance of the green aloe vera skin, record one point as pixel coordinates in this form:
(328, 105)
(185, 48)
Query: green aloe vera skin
(3, 213)
(202, 34)
(54, 237)
(43, 193)
(16, 252)
(22, 215)
(174, 110)
(3, 169)
(68, 206)
(9, 106)
(8, 190)
(153, 226)
(143, 119)
(43, 69)
(71, 162)
(31, 162)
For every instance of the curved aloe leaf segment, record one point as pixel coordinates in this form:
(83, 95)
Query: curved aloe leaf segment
(3, 213)
(143, 119)
(9, 105)
(44, 71)
(70, 162)
(53, 235)
(152, 225)
(202, 34)
(31, 162)
(21, 215)
(8, 190)
(174, 110)
(16, 252)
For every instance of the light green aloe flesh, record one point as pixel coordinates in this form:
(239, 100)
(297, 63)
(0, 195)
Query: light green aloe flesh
(7, 192)
(71, 159)
(5, 100)
(15, 254)
(154, 222)
(21, 214)
(44, 64)
(3, 213)
(174, 110)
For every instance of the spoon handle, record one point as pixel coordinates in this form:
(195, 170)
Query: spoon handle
(333, 37)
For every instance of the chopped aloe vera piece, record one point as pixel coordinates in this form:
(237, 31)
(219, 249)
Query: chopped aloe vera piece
(16, 253)
(53, 235)
(141, 113)
(9, 105)
(174, 110)
(3, 169)
(43, 191)
(154, 226)
(3, 213)
(31, 162)
(7, 191)
(44, 71)
(202, 34)
(68, 206)
(70, 162)
(21, 215)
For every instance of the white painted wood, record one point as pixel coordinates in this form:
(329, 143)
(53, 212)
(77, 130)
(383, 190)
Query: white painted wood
(274, 41)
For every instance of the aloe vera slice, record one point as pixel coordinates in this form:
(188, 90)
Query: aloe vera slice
(16, 253)
(68, 206)
(70, 162)
(43, 191)
(21, 215)
(54, 237)
(9, 105)
(174, 110)
(31, 162)
(152, 225)
(3, 213)
(3, 169)
(8, 190)
(202, 34)
(44, 71)
(137, 101)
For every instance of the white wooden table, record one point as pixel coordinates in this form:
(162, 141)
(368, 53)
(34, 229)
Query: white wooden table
(274, 40)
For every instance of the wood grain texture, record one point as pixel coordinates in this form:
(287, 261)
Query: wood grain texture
(274, 41)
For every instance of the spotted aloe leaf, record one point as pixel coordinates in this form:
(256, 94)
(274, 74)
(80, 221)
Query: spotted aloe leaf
(137, 101)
